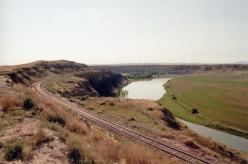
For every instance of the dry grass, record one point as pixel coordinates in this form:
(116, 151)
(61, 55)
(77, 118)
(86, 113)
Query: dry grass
(98, 147)
(40, 137)
(96, 136)
(27, 153)
(54, 113)
(190, 143)
(77, 152)
(136, 153)
(27, 92)
(9, 102)
(17, 149)
(105, 149)
(76, 126)
(132, 153)
(113, 150)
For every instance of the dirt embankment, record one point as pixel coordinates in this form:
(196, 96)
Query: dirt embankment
(91, 82)
(176, 69)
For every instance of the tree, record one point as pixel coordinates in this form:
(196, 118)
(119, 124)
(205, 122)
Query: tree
(122, 93)
(194, 111)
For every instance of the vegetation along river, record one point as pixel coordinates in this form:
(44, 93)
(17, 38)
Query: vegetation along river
(154, 90)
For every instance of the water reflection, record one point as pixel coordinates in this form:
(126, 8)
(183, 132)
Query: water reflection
(152, 89)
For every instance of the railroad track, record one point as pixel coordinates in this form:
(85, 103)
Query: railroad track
(117, 128)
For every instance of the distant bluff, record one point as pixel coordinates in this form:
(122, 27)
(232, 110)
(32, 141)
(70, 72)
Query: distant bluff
(103, 82)
(177, 69)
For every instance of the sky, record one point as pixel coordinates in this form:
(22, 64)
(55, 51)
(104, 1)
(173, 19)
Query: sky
(124, 31)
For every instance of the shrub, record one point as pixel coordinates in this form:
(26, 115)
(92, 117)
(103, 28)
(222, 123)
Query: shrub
(77, 126)
(136, 154)
(40, 137)
(8, 102)
(85, 97)
(18, 112)
(63, 135)
(77, 154)
(27, 91)
(173, 97)
(150, 109)
(54, 116)
(55, 126)
(17, 149)
(111, 103)
(96, 136)
(27, 152)
(1, 145)
(53, 112)
(190, 143)
(28, 103)
(1, 126)
(13, 150)
(114, 150)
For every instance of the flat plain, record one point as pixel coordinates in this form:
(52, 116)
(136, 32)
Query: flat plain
(221, 100)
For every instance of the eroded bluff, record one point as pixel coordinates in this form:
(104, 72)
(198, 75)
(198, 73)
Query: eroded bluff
(92, 83)
(84, 81)
(98, 82)
(29, 73)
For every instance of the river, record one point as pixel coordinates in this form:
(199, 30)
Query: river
(154, 90)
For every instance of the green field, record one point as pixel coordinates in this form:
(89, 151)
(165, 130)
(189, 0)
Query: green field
(222, 101)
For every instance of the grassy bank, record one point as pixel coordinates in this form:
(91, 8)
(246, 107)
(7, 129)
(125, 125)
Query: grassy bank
(220, 100)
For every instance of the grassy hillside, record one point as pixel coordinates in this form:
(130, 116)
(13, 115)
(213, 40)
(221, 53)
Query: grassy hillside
(36, 130)
(221, 100)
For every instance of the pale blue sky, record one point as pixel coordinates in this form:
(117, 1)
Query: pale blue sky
(124, 31)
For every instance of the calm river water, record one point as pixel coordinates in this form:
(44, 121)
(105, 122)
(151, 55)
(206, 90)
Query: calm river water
(154, 90)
